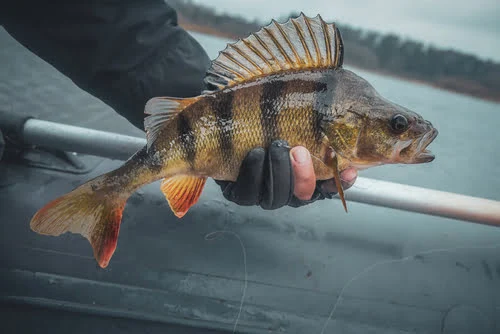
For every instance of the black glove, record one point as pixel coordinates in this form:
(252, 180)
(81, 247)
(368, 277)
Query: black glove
(266, 179)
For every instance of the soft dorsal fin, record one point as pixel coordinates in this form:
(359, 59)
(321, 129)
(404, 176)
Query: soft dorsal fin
(301, 43)
(160, 111)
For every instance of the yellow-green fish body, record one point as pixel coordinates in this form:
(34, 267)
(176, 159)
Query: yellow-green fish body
(284, 82)
(212, 136)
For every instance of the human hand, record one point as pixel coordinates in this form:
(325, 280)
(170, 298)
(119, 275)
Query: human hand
(281, 176)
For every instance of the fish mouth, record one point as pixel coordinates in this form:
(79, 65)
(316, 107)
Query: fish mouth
(424, 155)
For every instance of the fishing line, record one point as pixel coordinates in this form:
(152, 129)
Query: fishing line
(212, 236)
(380, 263)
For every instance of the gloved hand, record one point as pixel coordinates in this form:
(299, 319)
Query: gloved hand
(267, 179)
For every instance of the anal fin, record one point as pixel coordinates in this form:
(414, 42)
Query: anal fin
(182, 192)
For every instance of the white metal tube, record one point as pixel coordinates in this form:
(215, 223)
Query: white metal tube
(369, 191)
(427, 201)
(82, 140)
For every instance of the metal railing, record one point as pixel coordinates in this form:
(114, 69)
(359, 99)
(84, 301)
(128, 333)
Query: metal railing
(369, 191)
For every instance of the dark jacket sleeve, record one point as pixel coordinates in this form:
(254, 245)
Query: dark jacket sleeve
(122, 52)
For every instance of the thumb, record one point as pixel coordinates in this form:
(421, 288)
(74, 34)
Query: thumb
(303, 171)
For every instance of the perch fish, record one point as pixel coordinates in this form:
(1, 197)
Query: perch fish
(285, 81)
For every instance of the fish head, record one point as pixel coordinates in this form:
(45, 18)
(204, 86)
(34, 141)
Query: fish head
(368, 130)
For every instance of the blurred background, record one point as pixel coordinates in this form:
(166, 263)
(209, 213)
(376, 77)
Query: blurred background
(444, 43)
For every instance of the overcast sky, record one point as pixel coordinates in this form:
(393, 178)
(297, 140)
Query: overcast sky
(468, 26)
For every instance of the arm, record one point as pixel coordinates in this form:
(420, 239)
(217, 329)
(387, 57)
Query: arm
(122, 52)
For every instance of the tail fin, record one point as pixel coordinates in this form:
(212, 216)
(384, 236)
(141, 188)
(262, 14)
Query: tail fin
(93, 210)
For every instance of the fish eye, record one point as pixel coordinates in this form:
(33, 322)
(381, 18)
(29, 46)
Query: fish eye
(399, 123)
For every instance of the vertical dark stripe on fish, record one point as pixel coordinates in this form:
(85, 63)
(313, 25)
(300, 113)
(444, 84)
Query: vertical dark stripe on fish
(187, 138)
(223, 109)
(324, 102)
(320, 90)
(270, 105)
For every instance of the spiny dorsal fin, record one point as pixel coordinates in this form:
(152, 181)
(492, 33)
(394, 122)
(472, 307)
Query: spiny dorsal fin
(161, 110)
(182, 192)
(301, 43)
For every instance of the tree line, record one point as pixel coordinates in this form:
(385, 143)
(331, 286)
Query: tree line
(371, 50)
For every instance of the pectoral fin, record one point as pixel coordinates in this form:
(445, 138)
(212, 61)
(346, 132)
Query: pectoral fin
(333, 164)
(182, 192)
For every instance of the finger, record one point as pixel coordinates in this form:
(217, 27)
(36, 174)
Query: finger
(303, 170)
(347, 179)
(246, 190)
(278, 177)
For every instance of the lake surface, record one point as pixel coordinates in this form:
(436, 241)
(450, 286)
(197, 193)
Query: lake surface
(393, 269)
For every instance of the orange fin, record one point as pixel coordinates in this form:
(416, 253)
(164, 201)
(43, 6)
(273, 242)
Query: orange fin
(182, 192)
(161, 110)
(85, 211)
(334, 165)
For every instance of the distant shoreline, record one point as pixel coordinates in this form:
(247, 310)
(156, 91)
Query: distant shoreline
(455, 86)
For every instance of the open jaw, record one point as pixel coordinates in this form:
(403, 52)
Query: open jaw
(413, 151)
(422, 155)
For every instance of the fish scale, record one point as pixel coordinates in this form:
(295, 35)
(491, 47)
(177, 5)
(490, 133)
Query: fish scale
(285, 82)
